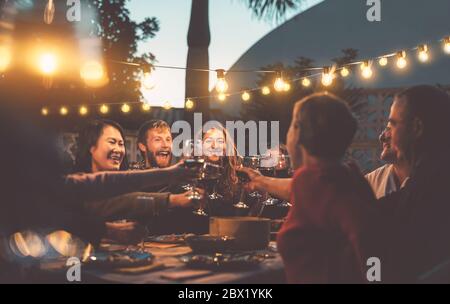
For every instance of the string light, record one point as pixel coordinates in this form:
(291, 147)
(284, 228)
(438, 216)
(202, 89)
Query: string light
(306, 82)
(401, 60)
(83, 111)
(287, 87)
(279, 83)
(345, 72)
(189, 104)
(104, 109)
(221, 97)
(147, 78)
(245, 96)
(327, 76)
(49, 12)
(92, 70)
(222, 84)
(5, 58)
(265, 90)
(167, 105)
(63, 111)
(383, 61)
(145, 107)
(47, 63)
(44, 111)
(125, 108)
(423, 53)
(366, 70)
(447, 45)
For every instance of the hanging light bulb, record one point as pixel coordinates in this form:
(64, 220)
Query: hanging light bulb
(306, 82)
(366, 70)
(104, 109)
(145, 107)
(189, 104)
(447, 45)
(49, 12)
(147, 79)
(327, 76)
(345, 72)
(383, 61)
(221, 97)
(279, 83)
(125, 108)
(222, 84)
(167, 105)
(245, 96)
(401, 60)
(423, 53)
(63, 111)
(265, 90)
(83, 111)
(44, 111)
(287, 87)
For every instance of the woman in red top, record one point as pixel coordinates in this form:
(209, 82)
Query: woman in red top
(330, 230)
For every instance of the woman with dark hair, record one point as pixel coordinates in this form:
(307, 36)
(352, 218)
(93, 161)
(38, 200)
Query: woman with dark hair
(101, 147)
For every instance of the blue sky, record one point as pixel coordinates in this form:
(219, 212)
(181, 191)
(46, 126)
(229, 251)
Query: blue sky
(233, 30)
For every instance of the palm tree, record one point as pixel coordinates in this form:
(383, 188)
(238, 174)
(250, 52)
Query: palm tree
(199, 38)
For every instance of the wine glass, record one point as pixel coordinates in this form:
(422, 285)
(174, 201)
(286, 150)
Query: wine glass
(253, 162)
(212, 173)
(243, 178)
(194, 159)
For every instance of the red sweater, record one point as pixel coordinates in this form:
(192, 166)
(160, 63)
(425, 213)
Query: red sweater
(330, 230)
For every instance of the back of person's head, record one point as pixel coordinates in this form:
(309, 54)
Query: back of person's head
(431, 106)
(88, 137)
(327, 126)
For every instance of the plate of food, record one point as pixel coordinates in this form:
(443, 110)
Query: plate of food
(169, 238)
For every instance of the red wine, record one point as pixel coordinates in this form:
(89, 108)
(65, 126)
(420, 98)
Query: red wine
(267, 171)
(194, 163)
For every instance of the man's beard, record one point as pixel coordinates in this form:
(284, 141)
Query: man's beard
(153, 162)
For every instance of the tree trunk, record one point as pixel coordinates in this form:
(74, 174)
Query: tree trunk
(199, 38)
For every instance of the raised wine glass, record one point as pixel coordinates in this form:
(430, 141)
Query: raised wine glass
(194, 159)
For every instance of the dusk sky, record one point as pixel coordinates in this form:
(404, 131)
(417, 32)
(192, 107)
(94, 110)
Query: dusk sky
(233, 30)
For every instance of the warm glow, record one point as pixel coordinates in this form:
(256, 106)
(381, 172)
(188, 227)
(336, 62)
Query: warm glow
(265, 90)
(44, 111)
(104, 109)
(279, 84)
(222, 84)
(401, 60)
(148, 80)
(125, 108)
(83, 110)
(167, 105)
(383, 61)
(145, 107)
(327, 78)
(63, 111)
(245, 96)
(345, 72)
(47, 63)
(306, 82)
(189, 104)
(222, 97)
(28, 244)
(423, 53)
(5, 58)
(66, 244)
(287, 87)
(447, 45)
(366, 70)
(92, 70)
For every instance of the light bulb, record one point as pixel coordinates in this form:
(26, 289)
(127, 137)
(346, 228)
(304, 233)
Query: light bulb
(125, 108)
(265, 90)
(5, 58)
(345, 72)
(63, 111)
(366, 70)
(92, 70)
(47, 63)
(167, 105)
(83, 111)
(327, 77)
(447, 45)
(44, 111)
(401, 60)
(104, 109)
(245, 96)
(222, 84)
(148, 80)
(383, 61)
(145, 107)
(189, 104)
(423, 53)
(279, 84)
(287, 87)
(49, 12)
(222, 97)
(306, 82)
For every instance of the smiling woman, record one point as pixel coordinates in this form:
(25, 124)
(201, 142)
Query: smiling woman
(101, 147)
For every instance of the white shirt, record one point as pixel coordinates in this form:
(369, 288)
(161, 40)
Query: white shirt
(382, 181)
